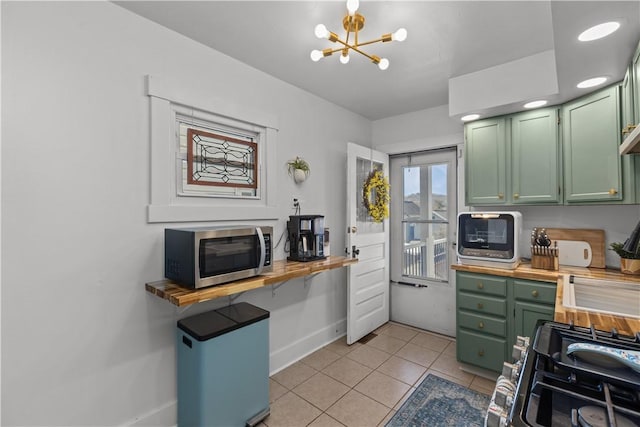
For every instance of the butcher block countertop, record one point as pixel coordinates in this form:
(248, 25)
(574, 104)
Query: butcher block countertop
(624, 325)
(282, 271)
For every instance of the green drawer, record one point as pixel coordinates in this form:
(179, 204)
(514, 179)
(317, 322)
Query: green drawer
(543, 293)
(481, 350)
(482, 324)
(482, 284)
(482, 304)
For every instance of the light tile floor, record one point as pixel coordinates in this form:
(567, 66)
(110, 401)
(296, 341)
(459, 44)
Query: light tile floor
(363, 385)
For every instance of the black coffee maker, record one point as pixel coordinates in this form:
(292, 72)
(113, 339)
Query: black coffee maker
(306, 237)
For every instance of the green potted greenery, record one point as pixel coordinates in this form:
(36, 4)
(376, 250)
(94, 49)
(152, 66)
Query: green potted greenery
(299, 169)
(629, 261)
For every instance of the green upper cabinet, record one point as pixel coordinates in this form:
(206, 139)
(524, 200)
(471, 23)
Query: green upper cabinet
(535, 157)
(513, 159)
(591, 139)
(485, 164)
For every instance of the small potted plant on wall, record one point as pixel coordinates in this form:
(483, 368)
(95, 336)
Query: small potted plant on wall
(629, 252)
(299, 169)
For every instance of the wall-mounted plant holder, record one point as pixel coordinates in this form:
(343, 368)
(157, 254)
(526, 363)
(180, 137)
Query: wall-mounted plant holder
(299, 169)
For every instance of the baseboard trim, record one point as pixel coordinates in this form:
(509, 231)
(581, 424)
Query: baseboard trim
(286, 356)
(164, 416)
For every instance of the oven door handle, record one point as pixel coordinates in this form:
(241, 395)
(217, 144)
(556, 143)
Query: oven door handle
(263, 251)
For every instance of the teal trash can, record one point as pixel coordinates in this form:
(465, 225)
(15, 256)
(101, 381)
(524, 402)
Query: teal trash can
(223, 367)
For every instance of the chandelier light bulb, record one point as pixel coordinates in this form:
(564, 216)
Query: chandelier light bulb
(321, 31)
(400, 35)
(316, 55)
(352, 6)
(344, 59)
(383, 64)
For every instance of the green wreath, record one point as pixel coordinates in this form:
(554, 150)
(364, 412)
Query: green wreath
(375, 196)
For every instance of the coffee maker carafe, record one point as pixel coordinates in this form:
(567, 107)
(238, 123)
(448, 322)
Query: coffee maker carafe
(306, 237)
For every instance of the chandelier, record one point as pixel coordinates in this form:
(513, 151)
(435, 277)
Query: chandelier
(353, 22)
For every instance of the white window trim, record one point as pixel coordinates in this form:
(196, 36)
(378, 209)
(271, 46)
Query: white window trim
(165, 204)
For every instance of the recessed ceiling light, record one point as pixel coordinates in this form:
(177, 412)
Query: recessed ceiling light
(469, 117)
(592, 82)
(535, 104)
(598, 31)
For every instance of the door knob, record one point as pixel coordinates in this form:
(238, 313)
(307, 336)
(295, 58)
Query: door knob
(534, 294)
(481, 325)
(480, 285)
(613, 191)
(516, 195)
(481, 353)
(500, 196)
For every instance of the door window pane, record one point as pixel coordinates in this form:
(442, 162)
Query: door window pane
(425, 225)
(364, 222)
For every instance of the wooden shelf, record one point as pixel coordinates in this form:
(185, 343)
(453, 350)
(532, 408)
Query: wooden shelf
(282, 271)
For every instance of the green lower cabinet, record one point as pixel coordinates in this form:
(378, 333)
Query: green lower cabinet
(492, 311)
(527, 315)
(481, 350)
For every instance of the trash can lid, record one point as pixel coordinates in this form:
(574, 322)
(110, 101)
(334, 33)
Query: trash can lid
(205, 326)
(244, 313)
(211, 324)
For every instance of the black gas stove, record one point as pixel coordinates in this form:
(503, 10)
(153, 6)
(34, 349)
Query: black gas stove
(550, 387)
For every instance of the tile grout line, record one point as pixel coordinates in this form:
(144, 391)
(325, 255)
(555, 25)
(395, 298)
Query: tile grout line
(405, 396)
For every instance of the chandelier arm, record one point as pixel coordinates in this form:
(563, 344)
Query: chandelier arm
(361, 52)
(381, 39)
(353, 47)
(336, 50)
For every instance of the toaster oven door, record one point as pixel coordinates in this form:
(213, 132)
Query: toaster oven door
(481, 234)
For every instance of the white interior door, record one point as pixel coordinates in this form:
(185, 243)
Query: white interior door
(423, 227)
(368, 281)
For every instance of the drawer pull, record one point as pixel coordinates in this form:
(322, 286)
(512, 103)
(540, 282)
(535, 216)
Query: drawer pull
(480, 353)
(534, 294)
(480, 306)
(481, 325)
(480, 285)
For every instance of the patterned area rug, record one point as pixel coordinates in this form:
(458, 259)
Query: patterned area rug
(438, 402)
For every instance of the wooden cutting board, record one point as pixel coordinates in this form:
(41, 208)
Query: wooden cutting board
(594, 237)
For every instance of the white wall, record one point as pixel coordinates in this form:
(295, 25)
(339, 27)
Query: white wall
(432, 128)
(82, 342)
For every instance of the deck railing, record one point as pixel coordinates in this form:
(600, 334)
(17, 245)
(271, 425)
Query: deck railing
(426, 260)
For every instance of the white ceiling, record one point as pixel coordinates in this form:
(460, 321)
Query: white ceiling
(446, 39)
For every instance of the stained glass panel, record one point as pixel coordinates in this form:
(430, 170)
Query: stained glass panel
(218, 160)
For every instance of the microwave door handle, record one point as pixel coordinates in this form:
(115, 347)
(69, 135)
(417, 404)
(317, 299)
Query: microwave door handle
(263, 251)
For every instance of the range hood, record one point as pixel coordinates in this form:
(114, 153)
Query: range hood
(631, 144)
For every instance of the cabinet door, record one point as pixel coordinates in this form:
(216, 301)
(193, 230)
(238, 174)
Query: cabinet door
(527, 315)
(481, 350)
(627, 101)
(485, 162)
(591, 141)
(535, 157)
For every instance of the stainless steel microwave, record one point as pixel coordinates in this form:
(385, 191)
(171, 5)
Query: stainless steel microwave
(489, 238)
(201, 257)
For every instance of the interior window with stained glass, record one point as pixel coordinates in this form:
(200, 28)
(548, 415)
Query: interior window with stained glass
(218, 161)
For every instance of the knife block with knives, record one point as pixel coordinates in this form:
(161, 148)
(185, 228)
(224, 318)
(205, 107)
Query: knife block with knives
(543, 255)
